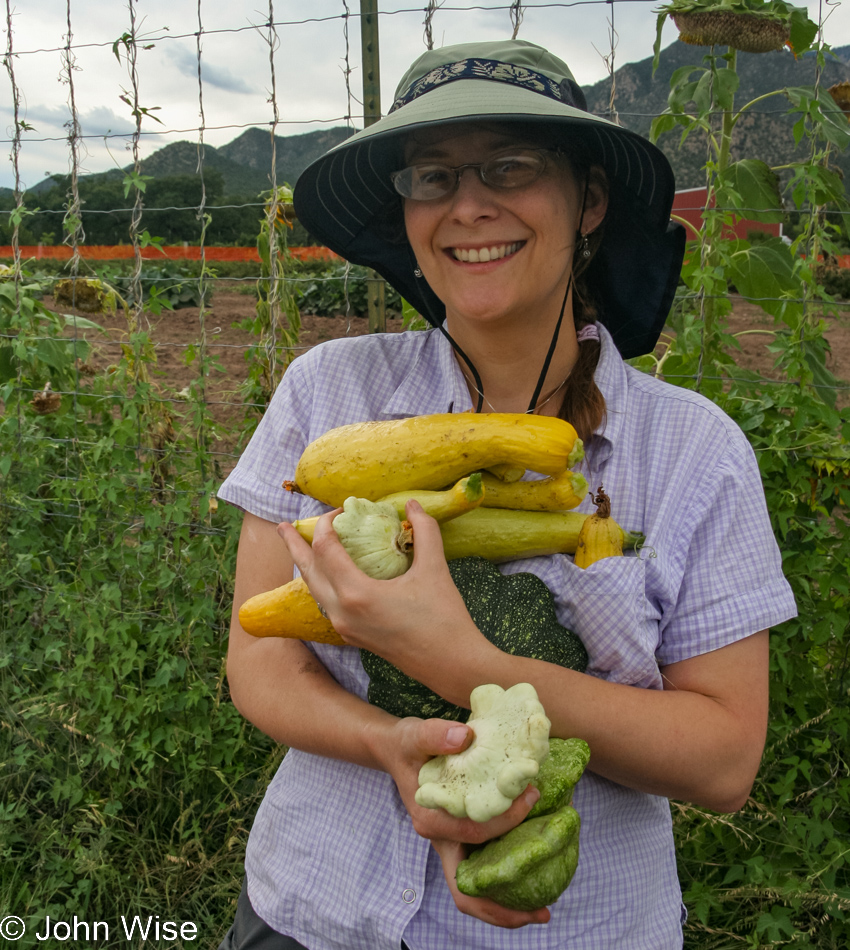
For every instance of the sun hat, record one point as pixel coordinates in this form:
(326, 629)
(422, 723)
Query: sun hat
(345, 197)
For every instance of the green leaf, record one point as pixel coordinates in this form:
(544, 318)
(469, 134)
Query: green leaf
(656, 46)
(751, 187)
(81, 323)
(661, 124)
(815, 357)
(751, 422)
(764, 274)
(703, 94)
(803, 31)
(8, 369)
(726, 82)
(56, 355)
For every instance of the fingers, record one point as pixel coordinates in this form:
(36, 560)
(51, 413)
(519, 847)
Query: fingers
(438, 737)
(427, 540)
(304, 554)
(451, 854)
(299, 550)
(438, 823)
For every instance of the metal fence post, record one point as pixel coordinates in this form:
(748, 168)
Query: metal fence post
(375, 286)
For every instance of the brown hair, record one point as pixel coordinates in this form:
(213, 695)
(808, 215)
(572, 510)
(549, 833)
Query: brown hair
(583, 404)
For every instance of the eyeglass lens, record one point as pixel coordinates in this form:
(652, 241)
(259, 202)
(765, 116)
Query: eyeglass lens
(427, 181)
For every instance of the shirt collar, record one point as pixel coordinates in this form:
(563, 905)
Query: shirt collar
(434, 383)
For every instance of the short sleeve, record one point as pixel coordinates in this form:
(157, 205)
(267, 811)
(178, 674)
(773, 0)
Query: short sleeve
(732, 583)
(256, 483)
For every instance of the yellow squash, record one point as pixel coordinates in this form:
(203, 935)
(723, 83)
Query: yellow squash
(463, 496)
(559, 493)
(600, 535)
(375, 459)
(287, 611)
(500, 534)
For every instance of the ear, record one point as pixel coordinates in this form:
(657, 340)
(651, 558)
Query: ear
(596, 199)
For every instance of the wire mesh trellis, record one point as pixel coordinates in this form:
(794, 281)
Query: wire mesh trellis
(145, 122)
(131, 43)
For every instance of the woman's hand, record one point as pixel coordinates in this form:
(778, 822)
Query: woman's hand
(451, 854)
(411, 743)
(418, 621)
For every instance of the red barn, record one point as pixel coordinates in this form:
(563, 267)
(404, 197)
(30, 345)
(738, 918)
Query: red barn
(689, 203)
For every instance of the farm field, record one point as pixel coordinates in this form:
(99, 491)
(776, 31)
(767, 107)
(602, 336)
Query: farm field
(175, 331)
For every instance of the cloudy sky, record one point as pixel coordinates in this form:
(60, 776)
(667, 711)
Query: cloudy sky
(309, 65)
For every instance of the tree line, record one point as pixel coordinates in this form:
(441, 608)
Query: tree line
(170, 211)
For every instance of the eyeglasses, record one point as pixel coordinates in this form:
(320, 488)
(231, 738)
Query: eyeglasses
(428, 181)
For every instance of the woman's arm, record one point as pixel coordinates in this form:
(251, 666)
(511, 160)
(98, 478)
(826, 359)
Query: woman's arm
(278, 684)
(282, 688)
(698, 740)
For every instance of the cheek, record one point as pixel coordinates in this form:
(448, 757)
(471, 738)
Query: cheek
(416, 225)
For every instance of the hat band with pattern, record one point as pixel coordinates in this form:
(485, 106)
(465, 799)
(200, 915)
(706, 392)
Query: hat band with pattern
(566, 91)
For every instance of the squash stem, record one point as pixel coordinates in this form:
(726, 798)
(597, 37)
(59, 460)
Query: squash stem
(404, 539)
(603, 504)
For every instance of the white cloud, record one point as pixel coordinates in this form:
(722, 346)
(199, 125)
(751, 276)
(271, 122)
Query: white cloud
(212, 73)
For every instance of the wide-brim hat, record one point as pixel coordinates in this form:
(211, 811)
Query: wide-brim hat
(342, 199)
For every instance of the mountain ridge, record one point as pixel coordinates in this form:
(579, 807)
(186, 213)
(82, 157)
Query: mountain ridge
(639, 96)
(765, 132)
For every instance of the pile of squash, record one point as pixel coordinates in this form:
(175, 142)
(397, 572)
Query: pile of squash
(487, 512)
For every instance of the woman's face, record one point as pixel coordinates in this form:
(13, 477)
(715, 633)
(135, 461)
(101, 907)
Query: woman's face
(528, 233)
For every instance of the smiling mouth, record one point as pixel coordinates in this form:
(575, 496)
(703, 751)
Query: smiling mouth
(481, 255)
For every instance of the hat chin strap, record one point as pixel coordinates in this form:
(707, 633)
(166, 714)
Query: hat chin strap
(542, 377)
(479, 386)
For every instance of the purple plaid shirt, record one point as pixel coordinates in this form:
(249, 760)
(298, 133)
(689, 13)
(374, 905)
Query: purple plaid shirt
(332, 858)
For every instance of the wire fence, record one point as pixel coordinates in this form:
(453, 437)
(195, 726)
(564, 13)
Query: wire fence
(290, 87)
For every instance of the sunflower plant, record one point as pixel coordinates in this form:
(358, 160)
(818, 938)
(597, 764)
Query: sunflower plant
(752, 26)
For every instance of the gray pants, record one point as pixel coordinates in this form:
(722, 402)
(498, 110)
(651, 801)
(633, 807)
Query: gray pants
(250, 932)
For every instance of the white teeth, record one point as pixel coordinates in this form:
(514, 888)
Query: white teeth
(484, 254)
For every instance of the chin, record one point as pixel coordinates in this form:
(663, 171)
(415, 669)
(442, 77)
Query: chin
(478, 310)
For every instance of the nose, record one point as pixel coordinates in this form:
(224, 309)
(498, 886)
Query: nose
(472, 198)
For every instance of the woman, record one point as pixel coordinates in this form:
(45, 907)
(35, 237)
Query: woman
(512, 219)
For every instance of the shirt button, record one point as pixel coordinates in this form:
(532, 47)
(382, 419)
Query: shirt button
(408, 895)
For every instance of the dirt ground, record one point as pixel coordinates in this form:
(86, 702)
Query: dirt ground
(174, 332)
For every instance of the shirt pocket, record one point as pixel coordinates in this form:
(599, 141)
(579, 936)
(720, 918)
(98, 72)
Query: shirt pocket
(607, 607)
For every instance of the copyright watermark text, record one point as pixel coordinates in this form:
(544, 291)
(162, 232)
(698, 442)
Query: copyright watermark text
(12, 927)
(136, 928)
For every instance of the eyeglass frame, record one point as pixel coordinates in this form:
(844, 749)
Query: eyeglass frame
(458, 171)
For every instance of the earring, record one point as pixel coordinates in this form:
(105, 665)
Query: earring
(417, 272)
(584, 244)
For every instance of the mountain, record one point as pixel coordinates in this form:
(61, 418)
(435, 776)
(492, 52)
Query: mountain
(764, 132)
(244, 163)
(293, 153)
